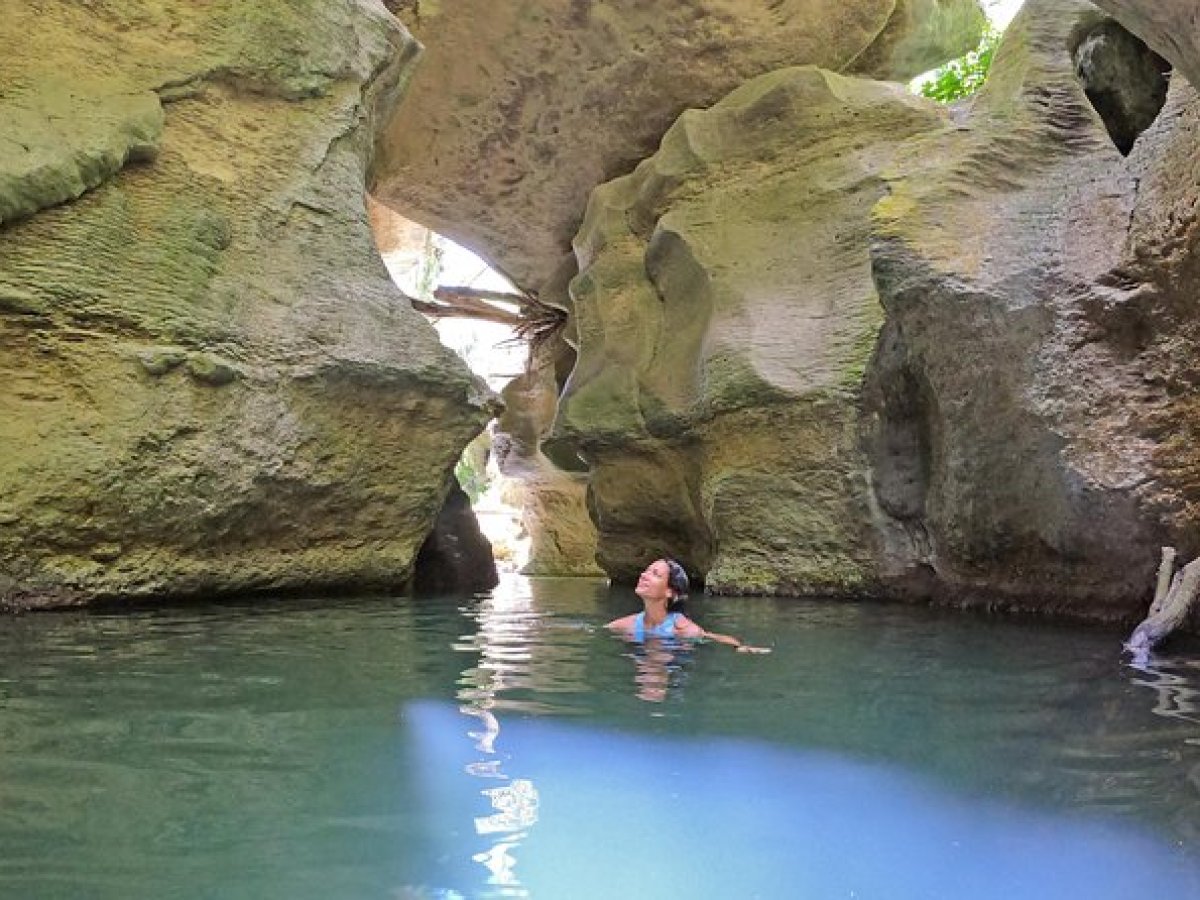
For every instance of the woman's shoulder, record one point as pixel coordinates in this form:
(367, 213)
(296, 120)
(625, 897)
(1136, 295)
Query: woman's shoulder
(686, 627)
(624, 622)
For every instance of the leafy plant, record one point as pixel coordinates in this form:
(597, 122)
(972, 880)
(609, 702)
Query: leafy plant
(962, 77)
(471, 469)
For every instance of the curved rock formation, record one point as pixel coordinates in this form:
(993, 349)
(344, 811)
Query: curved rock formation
(1171, 27)
(210, 383)
(518, 110)
(1024, 360)
(552, 486)
(725, 315)
(1022, 432)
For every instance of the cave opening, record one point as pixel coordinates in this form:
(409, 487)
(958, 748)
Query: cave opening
(476, 313)
(1125, 81)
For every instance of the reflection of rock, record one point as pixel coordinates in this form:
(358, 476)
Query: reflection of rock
(519, 109)
(209, 383)
(725, 313)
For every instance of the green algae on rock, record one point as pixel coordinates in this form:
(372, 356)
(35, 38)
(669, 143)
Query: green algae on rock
(213, 386)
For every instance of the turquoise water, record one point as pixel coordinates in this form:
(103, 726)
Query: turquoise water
(506, 746)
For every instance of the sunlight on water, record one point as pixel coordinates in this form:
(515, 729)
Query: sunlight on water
(509, 746)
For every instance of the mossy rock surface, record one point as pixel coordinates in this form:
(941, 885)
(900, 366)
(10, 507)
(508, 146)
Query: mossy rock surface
(211, 385)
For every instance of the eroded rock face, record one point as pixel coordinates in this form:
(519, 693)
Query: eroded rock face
(553, 488)
(1021, 369)
(725, 314)
(1171, 27)
(899, 352)
(210, 382)
(519, 109)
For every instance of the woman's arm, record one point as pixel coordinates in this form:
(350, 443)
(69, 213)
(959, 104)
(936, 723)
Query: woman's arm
(625, 623)
(685, 627)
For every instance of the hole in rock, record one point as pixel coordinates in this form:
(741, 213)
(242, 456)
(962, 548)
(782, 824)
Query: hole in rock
(462, 297)
(1124, 80)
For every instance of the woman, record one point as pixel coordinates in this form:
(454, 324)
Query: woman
(663, 587)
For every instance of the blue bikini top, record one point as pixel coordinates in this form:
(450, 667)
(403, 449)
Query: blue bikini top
(665, 628)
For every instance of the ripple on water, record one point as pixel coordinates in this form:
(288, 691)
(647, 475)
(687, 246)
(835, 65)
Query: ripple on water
(281, 750)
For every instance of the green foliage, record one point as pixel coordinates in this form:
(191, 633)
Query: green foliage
(471, 469)
(962, 77)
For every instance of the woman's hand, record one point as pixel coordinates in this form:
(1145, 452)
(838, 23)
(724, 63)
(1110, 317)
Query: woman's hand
(746, 648)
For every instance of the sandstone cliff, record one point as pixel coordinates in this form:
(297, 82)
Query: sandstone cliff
(835, 339)
(210, 384)
(518, 110)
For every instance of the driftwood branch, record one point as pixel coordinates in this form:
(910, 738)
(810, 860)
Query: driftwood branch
(531, 319)
(481, 313)
(1173, 597)
(470, 295)
(1166, 569)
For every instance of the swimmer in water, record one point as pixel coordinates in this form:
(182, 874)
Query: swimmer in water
(663, 587)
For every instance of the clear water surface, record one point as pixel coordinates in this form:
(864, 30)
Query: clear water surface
(508, 746)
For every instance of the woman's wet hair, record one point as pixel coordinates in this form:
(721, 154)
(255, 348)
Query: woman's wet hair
(677, 581)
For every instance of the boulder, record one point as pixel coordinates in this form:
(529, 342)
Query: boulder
(211, 385)
(725, 314)
(1038, 337)
(518, 110)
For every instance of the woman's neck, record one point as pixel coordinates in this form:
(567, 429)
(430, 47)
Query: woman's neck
(656, 613)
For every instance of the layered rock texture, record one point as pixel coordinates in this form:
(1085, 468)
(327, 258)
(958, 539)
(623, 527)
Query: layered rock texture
(1171, 27)
(210, 384)
(518, 110)
(553, 479)
(725, 315)
(832, 338)
(1021, 273)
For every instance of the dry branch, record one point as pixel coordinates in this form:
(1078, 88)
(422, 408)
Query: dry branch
(1170, 606)
(531, 320)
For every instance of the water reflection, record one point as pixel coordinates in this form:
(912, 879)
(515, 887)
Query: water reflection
(1175, 698)
(505, 622)
(658, 668)
(893, 752)
(661, 815)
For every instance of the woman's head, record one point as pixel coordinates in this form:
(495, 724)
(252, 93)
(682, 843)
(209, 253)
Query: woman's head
(664, 580)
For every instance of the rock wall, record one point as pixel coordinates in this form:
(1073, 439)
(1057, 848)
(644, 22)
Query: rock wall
(834, 339)
(210, 384)
(1171, 27)
(1016, 378)
(725, 315)
(518, 110)
(553, 485)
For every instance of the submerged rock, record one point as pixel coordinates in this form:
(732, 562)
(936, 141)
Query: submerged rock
(211, 384)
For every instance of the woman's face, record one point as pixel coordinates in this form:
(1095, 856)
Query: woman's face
(652, 584)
